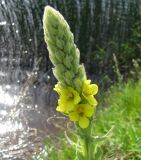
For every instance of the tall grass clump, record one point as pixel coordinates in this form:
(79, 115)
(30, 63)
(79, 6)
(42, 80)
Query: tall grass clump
(121, 110)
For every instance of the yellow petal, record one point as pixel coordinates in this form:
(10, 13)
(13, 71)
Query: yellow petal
(64, 92)
(89, 111)
(69, 94)
(85, 85)
(56, 88)
(94, 89)
(92, 100)
(74, 116)
(89, 89)
(70, 106)
(77, 98)
(83, 122)
(67, 106)
(61, 109)
(87, 82)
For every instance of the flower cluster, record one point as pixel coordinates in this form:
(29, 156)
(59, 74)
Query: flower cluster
(78, 107)
(76, 92)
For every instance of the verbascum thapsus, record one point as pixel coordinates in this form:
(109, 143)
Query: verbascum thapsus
(76, 93)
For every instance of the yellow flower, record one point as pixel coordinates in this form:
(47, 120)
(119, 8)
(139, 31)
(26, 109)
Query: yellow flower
(57, 88)
(88, 91)
(61, 107)
(69, 98)
(81, 113)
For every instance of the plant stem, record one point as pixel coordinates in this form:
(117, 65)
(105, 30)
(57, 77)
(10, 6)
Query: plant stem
(87, 149)
(86, 144)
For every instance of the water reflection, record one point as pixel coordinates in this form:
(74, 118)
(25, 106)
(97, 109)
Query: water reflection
(9, 127)
(6, 98)
(15, 139)
(23, 117)
(3, 113)
(3, 23)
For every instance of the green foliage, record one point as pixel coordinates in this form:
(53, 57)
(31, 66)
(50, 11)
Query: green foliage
(125, 50)
(123, 112)
(56, 149)
(135, 72)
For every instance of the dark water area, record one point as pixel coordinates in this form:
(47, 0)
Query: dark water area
(26, 79)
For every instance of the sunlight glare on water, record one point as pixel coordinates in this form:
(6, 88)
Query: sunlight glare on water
(3, 23)
(9, 127)
(7, 99)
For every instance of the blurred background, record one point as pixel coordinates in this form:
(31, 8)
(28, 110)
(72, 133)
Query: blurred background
(108, 34)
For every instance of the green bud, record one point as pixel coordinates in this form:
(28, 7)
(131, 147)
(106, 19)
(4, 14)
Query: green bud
(60, 68)
(53, 59)
(76, 61)
(68, 47)
(68, 62)
(52, 47)
(60, 56)
(78, 84)
(78, 55)
(53, 18)
(58, 75)
(82, 73)
(68, 37)
(50, 29)
(60, 44)
(61, 31)
(69, 75)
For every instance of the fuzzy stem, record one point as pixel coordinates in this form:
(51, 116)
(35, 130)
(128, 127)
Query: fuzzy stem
(86, 143)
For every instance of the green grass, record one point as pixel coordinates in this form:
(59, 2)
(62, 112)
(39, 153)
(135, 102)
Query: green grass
(56, 149)
(120, 109)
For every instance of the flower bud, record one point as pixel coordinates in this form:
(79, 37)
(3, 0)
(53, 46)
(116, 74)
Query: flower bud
(59, 56)
(61, 68)
(78, 84)
(58, 75)
(82, 73)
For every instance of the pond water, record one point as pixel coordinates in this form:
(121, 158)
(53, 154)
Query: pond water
(7, 100)
(23, 125)
(23, 116)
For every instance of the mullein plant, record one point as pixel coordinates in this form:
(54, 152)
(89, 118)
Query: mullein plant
(76, 93)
